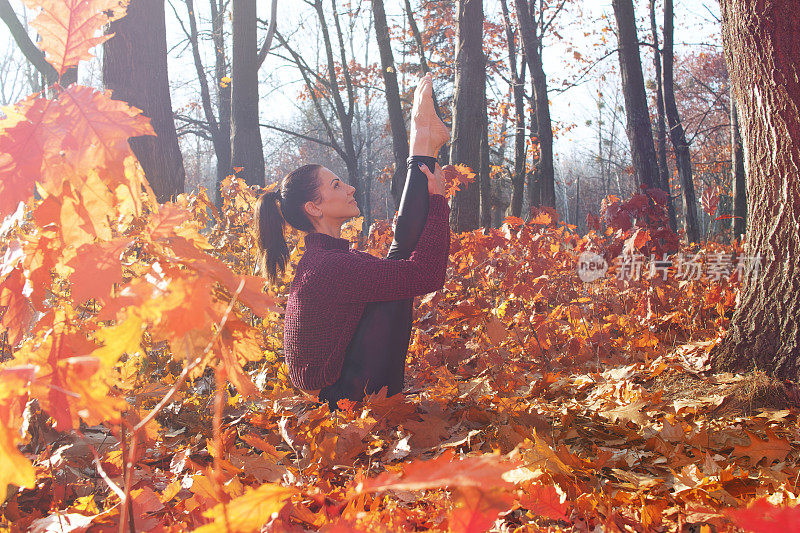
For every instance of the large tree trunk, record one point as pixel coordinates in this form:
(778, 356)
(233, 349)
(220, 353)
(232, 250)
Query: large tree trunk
(640, 134)
(663, 169)
(469, 112)
(676, 133)
(544, 189)
(396, 120)
(763, 56)
(246, 148)
(135, 69)
(737, 168)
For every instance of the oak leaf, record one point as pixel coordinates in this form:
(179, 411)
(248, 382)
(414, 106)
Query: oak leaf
(772, 448)
(547, 501)
(68, 28)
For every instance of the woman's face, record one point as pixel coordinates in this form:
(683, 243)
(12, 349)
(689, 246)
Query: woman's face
(338, 202)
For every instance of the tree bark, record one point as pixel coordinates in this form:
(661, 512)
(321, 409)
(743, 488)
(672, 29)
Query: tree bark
(663, 169)
(518, 86)
(543, 193)
(677, 135)
(762, 52)
(737, 168)
(469, 113)
(221, 69)
(135, 69)
(396, 119)
(640, 134)
(220, 132)
(246, 148)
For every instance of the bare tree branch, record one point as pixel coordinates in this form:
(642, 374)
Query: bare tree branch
(273, 23)
(23, 40)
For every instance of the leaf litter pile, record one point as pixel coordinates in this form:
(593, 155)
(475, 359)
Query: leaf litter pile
(142, 384)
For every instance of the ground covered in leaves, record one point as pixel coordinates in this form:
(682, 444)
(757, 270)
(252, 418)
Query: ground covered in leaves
(533, 401)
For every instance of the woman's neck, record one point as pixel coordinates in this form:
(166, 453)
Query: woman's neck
(329, 228)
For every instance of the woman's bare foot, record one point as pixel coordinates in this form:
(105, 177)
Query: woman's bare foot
(428, 132)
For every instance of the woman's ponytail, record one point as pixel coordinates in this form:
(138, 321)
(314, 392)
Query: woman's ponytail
(297, 188)
(270, 227)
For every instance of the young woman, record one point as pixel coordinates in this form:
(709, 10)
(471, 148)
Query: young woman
(348, 315)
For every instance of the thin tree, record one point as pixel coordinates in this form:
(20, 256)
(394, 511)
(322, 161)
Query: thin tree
(444, 151)
(469, 139)
(676, 133)
(396, 119)
(518, 86)
(135, 69)
(738, 174)
(661, 130)
(761, 50)
(640, 134)
(543, 192)
(325, 94)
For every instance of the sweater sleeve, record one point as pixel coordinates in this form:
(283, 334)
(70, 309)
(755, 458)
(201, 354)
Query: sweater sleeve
(357, 276)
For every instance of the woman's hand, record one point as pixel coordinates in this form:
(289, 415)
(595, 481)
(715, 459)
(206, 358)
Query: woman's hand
(435, 179)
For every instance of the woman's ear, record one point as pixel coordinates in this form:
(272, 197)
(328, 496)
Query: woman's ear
(311, 209)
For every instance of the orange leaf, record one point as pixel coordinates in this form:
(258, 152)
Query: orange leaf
(444, 471)
(68, 28)
(21, 149)
(478, 508)
(545, 500)
(97, 268)
(17, 312)
(771, 448)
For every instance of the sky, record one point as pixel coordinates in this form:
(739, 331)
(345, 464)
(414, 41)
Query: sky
(696, 25)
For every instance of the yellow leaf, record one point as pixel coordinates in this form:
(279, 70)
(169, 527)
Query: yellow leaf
(249, 511)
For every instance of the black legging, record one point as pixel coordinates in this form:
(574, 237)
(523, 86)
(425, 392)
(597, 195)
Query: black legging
(376, 355)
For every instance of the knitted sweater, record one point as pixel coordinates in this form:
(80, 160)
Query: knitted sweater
(332, 285)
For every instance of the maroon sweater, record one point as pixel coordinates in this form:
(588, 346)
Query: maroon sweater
(332, 285)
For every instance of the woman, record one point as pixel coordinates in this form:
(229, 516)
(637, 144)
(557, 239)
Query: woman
(348, 314)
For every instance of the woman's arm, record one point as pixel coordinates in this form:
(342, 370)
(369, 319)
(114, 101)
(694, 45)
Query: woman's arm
(360, 277)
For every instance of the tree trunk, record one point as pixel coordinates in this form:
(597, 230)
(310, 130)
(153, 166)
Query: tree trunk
(135, 69)
(221, 70)
(544, 191)
(663, 169)
(246, 148)
(676, 133)
(396, 120)
(640, 134)
(518, 86)
(220, 133)
(469, 112)
(737, 167)
(762, 52)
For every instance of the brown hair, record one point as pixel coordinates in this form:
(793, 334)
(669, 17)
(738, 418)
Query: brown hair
(298, 187)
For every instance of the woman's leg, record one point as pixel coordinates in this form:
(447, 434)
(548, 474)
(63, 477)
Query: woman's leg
(376, 354)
